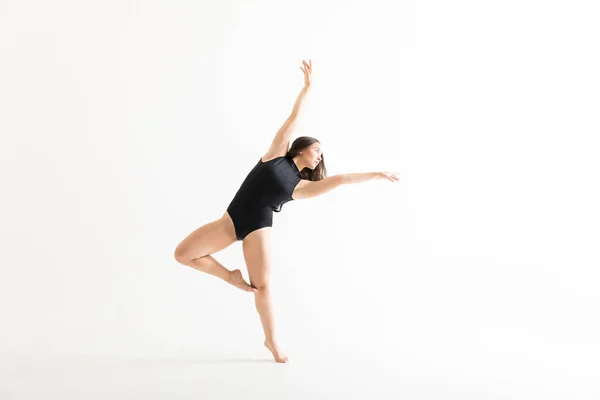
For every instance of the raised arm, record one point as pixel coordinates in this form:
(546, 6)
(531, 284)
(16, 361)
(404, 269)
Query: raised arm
(307, 189)
(283, 135)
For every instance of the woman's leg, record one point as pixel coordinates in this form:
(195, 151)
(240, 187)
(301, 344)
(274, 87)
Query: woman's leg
(258, 261)
(194, 251)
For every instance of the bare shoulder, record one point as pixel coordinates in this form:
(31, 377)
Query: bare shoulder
(274, 152)
(298, 193)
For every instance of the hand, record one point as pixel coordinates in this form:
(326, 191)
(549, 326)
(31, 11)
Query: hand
(307, 69)
(392, 176)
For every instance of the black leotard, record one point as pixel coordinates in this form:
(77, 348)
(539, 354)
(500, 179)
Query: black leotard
(268, 186)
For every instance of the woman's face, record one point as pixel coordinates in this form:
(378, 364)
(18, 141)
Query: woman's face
(312, 155)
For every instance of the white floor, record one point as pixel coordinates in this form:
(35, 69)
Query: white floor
(438, 373)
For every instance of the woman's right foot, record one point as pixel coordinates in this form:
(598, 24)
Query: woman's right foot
(237, 280)
(277, 354)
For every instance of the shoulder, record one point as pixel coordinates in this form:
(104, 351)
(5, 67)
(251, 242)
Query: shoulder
(298, 192)
(306, 188)
(274, 152)
(302, 184)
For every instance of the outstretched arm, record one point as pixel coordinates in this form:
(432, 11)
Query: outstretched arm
(283, 135)
(307, 70)
(312, 189)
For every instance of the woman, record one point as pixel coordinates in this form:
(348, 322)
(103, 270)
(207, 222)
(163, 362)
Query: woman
(281, 175)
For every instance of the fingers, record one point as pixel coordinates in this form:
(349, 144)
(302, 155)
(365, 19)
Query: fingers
(307, 67)
(392, 176)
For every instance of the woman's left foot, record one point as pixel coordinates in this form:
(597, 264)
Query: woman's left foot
(277, 354)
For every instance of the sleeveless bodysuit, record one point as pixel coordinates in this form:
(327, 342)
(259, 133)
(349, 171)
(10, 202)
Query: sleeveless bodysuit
(267, 187)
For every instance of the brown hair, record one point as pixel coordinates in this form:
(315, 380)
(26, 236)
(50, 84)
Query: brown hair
(301, 143)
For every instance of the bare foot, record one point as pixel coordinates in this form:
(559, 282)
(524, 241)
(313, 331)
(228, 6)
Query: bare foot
(277, 354)
(237, 280)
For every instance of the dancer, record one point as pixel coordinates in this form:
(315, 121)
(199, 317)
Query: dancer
(279, 176)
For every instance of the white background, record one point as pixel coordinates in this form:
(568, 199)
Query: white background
(127, 125)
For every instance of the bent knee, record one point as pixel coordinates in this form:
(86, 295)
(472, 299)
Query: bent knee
(181, 256)
(261, 286)
(177, 254)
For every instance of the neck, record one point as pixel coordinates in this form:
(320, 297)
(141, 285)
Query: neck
(298, 164)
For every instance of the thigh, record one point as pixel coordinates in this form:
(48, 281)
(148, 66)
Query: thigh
(208, 239)
(257, 254)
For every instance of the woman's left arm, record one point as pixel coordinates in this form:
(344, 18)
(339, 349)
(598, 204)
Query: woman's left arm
(317, 188)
